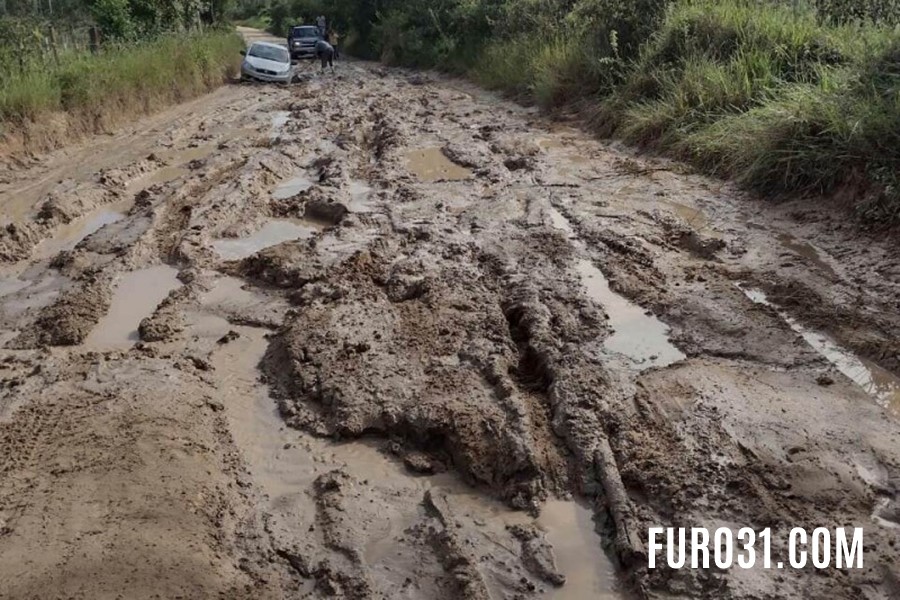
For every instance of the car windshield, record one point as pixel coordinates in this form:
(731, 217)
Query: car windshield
(269, 53)
(305, 32)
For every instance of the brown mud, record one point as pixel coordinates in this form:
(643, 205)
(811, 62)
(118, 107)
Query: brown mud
(378, 335)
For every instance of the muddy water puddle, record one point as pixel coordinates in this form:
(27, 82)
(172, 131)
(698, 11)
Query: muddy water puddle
(29, 290)
(588, 570)
(877, 382)
(637, 335)
(430, 164)
(136, 296)
(279, 119)
(292, 187)
(68, 236)
(807, 251)
(360, 197)
(11, 285)
(285, 463)
(274, 232)
(694, 217)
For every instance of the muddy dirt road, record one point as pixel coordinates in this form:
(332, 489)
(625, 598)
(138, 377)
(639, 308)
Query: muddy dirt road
(383, 335)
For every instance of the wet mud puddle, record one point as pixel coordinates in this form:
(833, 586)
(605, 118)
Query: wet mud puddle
(292, 187)
(807, 251)
(274, 232)
(430, 165)
(637, 335)
(69, 235)
(136, 296)
(877, 382)
(285, 464)
(280, 118)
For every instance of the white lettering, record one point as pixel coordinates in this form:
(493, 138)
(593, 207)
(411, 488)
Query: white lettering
(821, 549)
(797, 558)
(724, 548)
(747, 559)
(654, 546)
(699, 545)
(854, 551)
(671, 550)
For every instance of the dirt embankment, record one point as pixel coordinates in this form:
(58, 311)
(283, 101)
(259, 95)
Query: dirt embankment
(383, 335)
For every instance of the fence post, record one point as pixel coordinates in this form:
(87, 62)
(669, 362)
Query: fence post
(52, 34)
(95, 39)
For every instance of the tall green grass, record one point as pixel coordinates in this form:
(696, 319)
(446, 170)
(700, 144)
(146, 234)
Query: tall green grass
(777, 100)
(133, 78)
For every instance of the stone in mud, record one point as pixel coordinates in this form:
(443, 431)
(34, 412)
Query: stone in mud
(330, 211)
(537, 554)
(419, 462)
(228, 338)
(520, 163)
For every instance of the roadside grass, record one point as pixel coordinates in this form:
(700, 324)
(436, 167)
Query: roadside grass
(132, 78)
(775, 100)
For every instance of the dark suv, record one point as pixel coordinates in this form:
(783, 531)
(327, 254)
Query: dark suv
(302, 41)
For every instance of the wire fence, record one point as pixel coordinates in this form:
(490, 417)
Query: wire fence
(36, 45)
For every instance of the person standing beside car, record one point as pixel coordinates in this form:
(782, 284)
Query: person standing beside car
(325, 52)
(334, 39)
(321, 23)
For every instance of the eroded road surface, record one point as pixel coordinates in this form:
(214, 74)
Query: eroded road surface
(383, 335)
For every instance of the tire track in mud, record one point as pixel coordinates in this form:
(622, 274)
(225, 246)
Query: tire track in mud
(428, 326)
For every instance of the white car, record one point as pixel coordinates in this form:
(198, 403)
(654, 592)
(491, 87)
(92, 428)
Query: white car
(264, 61)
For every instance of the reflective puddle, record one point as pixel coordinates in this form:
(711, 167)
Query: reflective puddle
(430, 164)
(637, 335)
(807, 251)
(879, 383)
(570, 529)
(11, 285)
(280, 118)
(68, 236)
(359, 197)
(274, 232)
(292, 187)
(136, 296)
